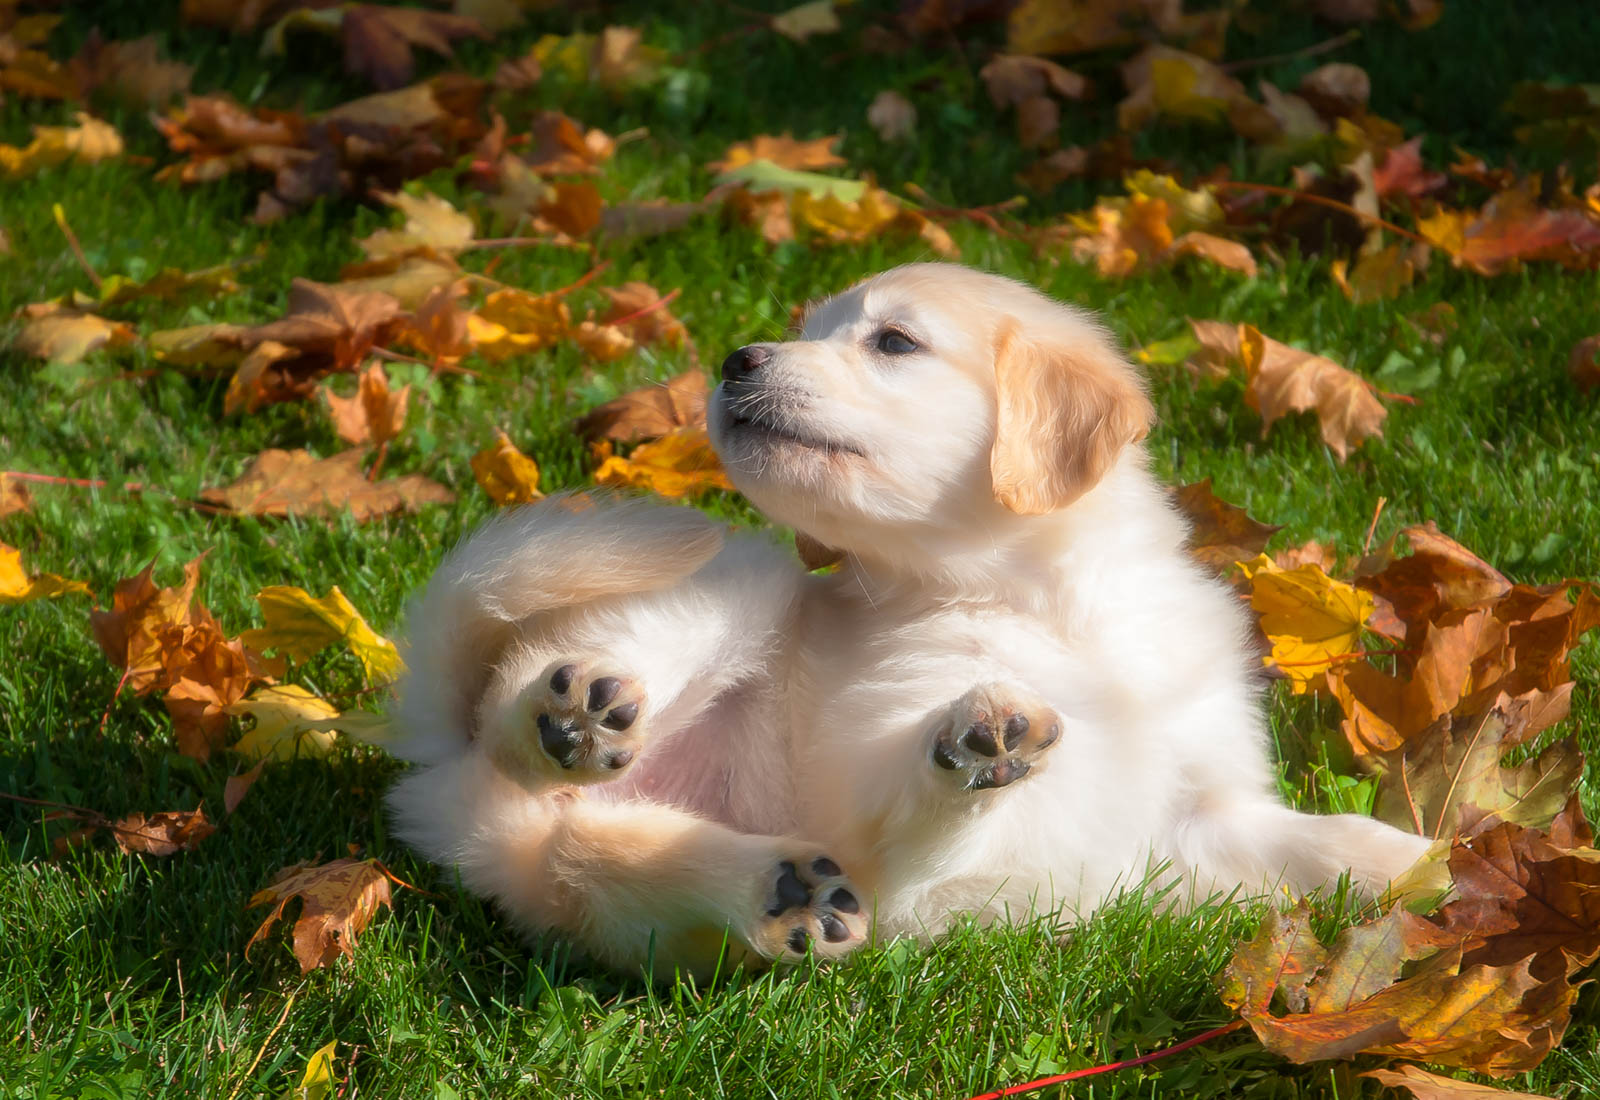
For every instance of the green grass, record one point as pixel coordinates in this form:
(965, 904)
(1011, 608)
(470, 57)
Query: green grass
(124, 976)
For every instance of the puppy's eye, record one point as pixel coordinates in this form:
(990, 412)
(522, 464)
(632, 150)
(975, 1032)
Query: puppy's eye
(891, 341)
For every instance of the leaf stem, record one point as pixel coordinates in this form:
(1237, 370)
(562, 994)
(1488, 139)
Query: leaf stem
(1109, 1067)
(1320, 200)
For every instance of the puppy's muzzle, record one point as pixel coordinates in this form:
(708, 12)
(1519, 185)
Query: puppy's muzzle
(745, 365)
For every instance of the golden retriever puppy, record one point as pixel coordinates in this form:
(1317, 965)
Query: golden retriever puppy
(1016, 695)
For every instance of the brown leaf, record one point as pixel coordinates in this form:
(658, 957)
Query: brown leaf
(14, 496)
(339, 899)
(1401, 172)
(432, 227)
(561, 147)
(1013, 79)
(282, 483)
(1427, 783)
(1430, 1086)
(62, 334)
(641, 311)
(162, 834)
(1338, 89)
(1584, 363)
(1377, 275)
(649, 412)
(378, 40)
(1284, 379)
(506, 474)
(1224, 253)
(1512, 229)
(1439, 575)
(237, 786)
(783, 151)
(892, 116)
(132, 633)
(1220, 533)
(374, 414)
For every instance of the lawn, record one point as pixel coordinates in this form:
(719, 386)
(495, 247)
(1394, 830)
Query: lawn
(125, 975)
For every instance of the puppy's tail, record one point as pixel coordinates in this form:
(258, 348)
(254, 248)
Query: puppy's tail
(557, 553)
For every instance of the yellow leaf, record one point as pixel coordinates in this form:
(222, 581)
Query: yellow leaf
(506, 474)
(301, 625)
(17, 587)
(674, 465)
(62, 334)
(1310, 618)
(291, 721)
(514, 322)
(431, 224)
(318, 1081)
(816, 17)
(89, 141)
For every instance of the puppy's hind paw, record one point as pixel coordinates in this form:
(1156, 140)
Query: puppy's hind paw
(809, 904)
(585, 721)
(993, 736)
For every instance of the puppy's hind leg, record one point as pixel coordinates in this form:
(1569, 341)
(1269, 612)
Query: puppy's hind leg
(1258, 843)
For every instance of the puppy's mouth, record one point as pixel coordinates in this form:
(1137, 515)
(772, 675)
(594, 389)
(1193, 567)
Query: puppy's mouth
(773, 427)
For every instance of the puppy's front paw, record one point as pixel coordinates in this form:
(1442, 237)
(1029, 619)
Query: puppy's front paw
(808, 903)
(993, 736)
(584, 720)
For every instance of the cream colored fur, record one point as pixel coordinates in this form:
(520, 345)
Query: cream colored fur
(1016, 695)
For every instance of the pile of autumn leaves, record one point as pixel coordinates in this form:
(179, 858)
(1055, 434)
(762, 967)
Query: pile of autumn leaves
(1449, 677)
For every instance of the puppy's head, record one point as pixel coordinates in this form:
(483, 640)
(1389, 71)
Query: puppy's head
(931, 399)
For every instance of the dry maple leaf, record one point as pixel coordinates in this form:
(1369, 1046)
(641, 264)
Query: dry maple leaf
(1439, 575)
(784, 151)
(432, 226)
(1283, 379)
(1496, 1019)
(378, 40)
(162, 834)
(90, 141)
(650, 411)
(1220, 534)
(1428, 783)
(339, 900)
(814, 17)
(640, 310)
(675, 465)
(14, 496)
(632, 220)
(1335, 90)
(300, 626)
(132, 72)
(1377, 275)
(524, 323)
(1512, 229)
(1312, 620)
(131, 634)
(15, 584)
(1430, 1086)
(876, 213)
(506, 474)
(283, 483)
(290, 721)
(560, 146)
(375, 414)
(63, 334)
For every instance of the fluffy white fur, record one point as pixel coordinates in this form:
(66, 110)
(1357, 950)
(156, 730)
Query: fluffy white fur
(1017, 693)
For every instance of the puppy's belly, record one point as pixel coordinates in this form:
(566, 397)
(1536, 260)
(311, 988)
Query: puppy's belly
(725, 765)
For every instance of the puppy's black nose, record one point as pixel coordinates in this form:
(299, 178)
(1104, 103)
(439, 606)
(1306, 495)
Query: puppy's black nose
(745, 363)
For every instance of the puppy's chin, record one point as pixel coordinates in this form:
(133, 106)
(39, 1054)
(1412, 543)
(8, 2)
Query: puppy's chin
(769, 457)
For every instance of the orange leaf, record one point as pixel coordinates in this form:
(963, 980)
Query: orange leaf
(783, 151)
(675, 465)
(282, 483)
(340, 899)
(374, 415)
(506, 474)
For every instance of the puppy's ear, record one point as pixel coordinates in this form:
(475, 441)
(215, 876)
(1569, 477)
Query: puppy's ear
(1065, 413)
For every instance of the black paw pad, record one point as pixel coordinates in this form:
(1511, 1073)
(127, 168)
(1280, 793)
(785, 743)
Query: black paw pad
(620, 718)
(944, 758)
(844, 901)
(618, 760)
(561, 678)
(980, 739)
(1016, 726)
(833, 929)
(602, 691)
(792, 893)
(826, 868)
(798, 940)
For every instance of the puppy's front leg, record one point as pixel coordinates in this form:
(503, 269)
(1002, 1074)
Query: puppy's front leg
(992, 736)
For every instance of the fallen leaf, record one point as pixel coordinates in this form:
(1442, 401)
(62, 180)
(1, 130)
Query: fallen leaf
(65, 335)
(1284, 379)
(641, 311)
(1220, 251)
(374, 414)
(318, 1081)
(675, 465)
(1376, 276)
(162, 834)
(1430, 1086)
(1311, 619)
(432, 226)
(562, 147)
(300, 626)
(1512, 229)
(14, 496)
(525, 323)
(283, 483)
(290, 722)
(132, 72)
(784, 151)
(340, 899)
(378, 40)
(506, 474)
(800, 23)
(1220, 534)
(892, 116)
(1583, 363)
(237, 786)
(17, 587)
(650, 411)
(1425, 785)
(1338, 89)
(90, 141)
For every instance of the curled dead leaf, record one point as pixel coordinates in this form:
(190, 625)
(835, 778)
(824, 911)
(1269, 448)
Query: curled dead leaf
(339, 900)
